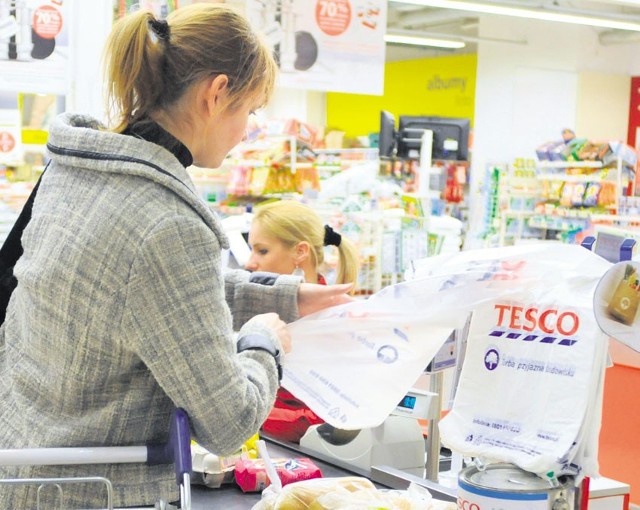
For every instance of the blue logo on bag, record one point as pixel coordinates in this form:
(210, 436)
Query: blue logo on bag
(491, 359)
(525, 337)
(387, 354)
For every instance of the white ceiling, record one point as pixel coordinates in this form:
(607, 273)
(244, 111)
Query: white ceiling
(462, 25)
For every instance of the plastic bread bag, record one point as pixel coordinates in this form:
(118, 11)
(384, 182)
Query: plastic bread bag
(347, 493)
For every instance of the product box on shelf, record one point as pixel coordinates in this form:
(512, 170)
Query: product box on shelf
(627, 154)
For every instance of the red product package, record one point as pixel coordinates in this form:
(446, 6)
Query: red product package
(251, 475)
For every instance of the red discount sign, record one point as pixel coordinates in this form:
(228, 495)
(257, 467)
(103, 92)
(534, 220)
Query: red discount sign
(333, 16)
(7, 141)
(47, 21)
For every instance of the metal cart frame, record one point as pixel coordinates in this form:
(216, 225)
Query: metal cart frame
(176, 451)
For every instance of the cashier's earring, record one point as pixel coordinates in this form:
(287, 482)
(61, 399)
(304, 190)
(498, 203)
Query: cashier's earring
(298, 272)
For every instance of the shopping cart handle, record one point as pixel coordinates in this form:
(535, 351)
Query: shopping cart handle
(177, 450)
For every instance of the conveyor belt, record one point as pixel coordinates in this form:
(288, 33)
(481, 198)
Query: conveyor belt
(230, 497)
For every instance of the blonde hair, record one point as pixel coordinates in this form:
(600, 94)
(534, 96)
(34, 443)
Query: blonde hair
(149, 68)
(292, 222)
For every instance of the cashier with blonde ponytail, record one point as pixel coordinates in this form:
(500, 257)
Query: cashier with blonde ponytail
(289, 237)
(122, 310)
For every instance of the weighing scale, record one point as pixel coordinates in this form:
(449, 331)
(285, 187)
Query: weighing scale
(397, 442)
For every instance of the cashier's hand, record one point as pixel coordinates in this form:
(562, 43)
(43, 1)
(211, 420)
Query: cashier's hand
(313, 297)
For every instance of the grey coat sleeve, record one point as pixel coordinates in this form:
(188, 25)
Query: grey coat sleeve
(250, 294)
(178, 323)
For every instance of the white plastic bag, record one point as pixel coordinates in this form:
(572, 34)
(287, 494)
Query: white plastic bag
(530, 388)
(353, 364)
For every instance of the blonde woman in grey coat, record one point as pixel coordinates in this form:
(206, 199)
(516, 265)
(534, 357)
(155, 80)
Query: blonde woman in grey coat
(122, 310)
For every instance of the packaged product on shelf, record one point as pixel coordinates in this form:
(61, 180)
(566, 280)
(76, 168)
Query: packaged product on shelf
(258, 182)
(588, 152)
(607, 195)
(239, 180)
(577, 195)
(552, 190)
(594, 151)
(550, 151)
(627, 154)
(591, 194)
(556, 152)
(306, 178)
(572, 148)
(301, 130)
(568, 192)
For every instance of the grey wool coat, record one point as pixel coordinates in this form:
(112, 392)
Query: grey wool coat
(123, 312)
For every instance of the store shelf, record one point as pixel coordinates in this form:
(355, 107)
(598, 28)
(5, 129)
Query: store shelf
(559, 223)
(535, 199)
(573, 178)
(524, 193)
(615, 218)
(518, 214)
(570, 164)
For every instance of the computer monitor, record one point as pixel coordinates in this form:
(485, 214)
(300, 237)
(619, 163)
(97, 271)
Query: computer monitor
(450, 137)
(387, 139)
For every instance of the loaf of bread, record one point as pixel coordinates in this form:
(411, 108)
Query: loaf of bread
(346, 493)
(302, 495)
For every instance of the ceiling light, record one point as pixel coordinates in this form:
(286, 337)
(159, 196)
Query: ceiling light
(575, 18)
(423, 41)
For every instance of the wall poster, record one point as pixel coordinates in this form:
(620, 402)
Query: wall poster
(34, 46)
(327, 45)
(161, 8)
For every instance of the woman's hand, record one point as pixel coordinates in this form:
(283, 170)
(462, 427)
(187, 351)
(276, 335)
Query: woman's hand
(313, 297)
(278, 326)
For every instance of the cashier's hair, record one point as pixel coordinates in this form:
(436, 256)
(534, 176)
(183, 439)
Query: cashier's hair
(292, 222)
(150, 63)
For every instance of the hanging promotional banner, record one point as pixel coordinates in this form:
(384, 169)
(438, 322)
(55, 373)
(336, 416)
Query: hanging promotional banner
(34, 47)
(161, 8)
(327, 45)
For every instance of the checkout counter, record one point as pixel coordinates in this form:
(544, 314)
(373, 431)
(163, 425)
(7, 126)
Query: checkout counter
(603, 493)
(392, 455)
(231, 497)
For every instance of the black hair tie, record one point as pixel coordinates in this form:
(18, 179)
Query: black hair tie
(331, 237)
(161, 28)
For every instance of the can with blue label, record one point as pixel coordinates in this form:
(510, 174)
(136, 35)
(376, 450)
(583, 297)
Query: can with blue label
(507, 487)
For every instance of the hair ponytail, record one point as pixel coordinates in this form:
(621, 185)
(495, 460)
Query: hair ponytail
(151, 63)
(133, 68)
(348, 263)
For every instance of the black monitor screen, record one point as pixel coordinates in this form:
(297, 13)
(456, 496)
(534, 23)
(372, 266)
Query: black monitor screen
(387, 136)
(450, 137)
